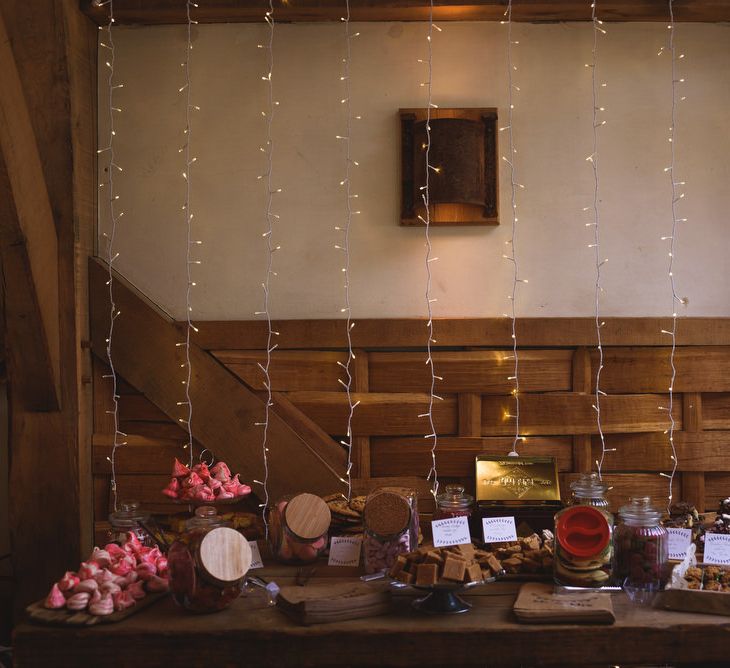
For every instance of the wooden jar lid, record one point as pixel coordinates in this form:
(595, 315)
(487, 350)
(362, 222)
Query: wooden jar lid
(307, 516)
(225, 554)
(387, 513)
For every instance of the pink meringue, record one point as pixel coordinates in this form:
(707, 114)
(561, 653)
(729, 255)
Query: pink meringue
(115, 551)
(136, 590)
(221, 472)
(193, 480)
(102, 607)
(173, 489)
(157, 584)
(123, 600)
(202, 470)
(224, 494)
(243, 490)
(128, 579)
(78, 601)
(95, 597)
(88, 586)
(88, 570)
(124, 566)
(101, 557)
(55, 598)
(150, 555)
(146, 571)
(104, 575)
(110, 588)
(162, 566)
(68, 581)
(214, 484)
(179, 469)
(205, 494)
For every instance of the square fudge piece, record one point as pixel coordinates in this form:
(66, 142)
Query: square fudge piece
(473, 572)
(427, 574)
(454, 568)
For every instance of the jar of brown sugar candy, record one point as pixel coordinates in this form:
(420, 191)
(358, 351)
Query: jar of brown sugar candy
(208, 563)
(298, 528)
(391, 526)
(453, 503)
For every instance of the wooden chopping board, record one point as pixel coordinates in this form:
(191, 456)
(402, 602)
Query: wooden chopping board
(37, 612)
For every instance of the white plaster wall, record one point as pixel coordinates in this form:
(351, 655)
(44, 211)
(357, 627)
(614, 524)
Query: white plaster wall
(552, 132)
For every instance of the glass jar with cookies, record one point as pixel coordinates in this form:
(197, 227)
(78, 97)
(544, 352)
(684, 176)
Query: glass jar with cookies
(583, 536)
(390, 523)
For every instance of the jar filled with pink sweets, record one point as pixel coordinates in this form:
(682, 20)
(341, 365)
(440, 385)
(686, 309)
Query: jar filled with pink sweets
(298, 528)
(390, 523)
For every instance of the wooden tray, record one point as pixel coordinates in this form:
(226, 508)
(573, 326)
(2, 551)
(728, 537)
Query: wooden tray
(37, 612)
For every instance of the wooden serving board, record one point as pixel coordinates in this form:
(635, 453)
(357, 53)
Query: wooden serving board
(37, 612)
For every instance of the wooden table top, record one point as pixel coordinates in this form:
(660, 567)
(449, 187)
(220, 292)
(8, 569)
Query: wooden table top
(252, 633)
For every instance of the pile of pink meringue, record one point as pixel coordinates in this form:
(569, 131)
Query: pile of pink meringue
(114, 578)
(202, 484)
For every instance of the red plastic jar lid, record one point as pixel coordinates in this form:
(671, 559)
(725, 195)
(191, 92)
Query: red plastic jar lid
(583, 531)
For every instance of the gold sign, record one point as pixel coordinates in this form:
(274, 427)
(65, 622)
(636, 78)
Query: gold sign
(522, 479)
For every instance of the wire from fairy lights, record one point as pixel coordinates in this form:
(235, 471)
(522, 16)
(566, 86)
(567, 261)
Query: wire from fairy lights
(426, 220)
(598, 28)
(676, 198)
(271, 248)
(190, 243)
(344, 246)
(110, 237)
(514, 185)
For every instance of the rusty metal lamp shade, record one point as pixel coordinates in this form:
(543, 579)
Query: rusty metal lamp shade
(462, 187)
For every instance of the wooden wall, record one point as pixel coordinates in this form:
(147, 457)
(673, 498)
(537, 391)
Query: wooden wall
(557, 373)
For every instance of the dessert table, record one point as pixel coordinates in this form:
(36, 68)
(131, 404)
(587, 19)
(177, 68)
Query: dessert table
(252, 633)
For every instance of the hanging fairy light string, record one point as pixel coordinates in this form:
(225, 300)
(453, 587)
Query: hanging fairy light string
(596, 224)
(114, 215)
(512, 243)
(677, 196)
(426, 220)
(190, 243)
(344, 246)
(271, 248)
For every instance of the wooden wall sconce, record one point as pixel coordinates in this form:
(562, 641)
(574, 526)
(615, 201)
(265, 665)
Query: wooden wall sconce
(464, 150)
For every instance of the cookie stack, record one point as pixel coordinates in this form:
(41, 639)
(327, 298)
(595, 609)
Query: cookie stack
(346, 516)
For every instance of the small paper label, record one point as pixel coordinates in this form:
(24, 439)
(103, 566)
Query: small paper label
(450, 531)
(256, 561)
(345, 551)
(499, 529)
(679, 542)
(717, 549)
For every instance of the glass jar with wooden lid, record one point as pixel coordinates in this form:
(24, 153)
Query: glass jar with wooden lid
(208, 563)
(390, 523)
(298, 528)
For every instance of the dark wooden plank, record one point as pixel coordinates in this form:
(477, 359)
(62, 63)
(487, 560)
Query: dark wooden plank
(140, 455)
(472, 371)
(646, 370)
(449, 332)
(378, 414)
(151, 12)
(716, 410)
(361, 444)
(694, 490)
(714, 488)
(582, 379)
(470, 414)
(139, 408)
(573, 413)
(225, 411)
(455, 456)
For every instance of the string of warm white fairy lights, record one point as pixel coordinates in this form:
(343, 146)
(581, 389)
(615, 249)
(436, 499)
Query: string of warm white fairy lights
(512, 243)
(190, 243)
(267, 177)
(672, 238)
(596, 224)
(112, 255)
(426, 220)
(344, 246)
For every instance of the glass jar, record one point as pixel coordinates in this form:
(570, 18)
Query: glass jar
(208, 563)
(583, 536)
(390, 523)
(642, 549)
(298, 528)
(453, 503)
(129, 517)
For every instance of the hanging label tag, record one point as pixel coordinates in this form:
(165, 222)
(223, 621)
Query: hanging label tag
(256, 561)
(499, 529)
(679, 542)
(345, 551)
(450, 531)
(717, 549)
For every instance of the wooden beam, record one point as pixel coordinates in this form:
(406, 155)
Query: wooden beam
(224, 410)
(459, 332)
(150, 12)
(29, 246)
